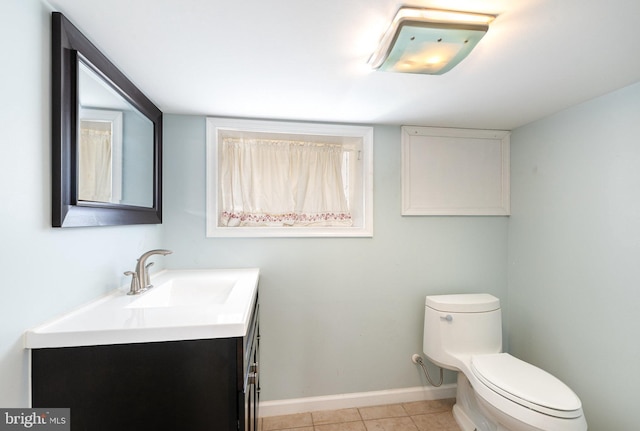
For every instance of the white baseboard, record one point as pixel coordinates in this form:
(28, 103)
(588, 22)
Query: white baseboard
(359, 399)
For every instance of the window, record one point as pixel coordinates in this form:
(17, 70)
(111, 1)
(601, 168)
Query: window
(277, 179)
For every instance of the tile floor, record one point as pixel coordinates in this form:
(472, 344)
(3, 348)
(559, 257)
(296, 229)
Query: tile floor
(416, 416)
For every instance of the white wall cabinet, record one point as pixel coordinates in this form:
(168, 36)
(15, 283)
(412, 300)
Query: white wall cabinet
(455, 171)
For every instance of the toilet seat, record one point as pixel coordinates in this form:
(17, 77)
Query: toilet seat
(526, 385)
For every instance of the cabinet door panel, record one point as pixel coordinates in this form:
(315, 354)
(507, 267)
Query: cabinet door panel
(152, 386)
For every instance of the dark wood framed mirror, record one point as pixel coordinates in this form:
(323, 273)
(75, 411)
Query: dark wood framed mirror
(106, 139)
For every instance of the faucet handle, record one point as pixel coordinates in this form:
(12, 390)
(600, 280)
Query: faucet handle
(146, 276)
(135, 283)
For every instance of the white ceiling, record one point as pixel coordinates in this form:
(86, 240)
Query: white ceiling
(307, 60)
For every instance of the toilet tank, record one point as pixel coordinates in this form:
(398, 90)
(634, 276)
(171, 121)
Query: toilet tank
(458, 326)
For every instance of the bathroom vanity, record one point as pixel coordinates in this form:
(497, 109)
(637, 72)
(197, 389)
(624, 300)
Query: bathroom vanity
(182, 361)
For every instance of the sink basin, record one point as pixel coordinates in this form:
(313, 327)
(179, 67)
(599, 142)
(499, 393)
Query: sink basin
(187, 290)
(184, 305)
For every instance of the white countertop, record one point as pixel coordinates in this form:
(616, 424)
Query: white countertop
(108, 320)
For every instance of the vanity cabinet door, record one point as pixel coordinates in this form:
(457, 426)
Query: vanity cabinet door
(153, 386)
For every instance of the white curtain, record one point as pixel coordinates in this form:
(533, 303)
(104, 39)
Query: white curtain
(94, 162)
(267, 182)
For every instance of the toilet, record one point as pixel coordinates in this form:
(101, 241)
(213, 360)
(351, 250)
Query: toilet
(496, 391)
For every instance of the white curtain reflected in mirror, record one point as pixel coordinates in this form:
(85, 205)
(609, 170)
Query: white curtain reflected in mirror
(100, 156)
(94, 161)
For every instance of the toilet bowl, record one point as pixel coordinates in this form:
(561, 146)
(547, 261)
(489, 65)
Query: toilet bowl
(496, 391)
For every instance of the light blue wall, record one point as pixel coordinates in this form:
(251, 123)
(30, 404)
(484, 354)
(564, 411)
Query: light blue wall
(45, 271)
(338, 315)
(574, 252)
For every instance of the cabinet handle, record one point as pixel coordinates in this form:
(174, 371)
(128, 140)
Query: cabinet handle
(253, 374)
(252, 378)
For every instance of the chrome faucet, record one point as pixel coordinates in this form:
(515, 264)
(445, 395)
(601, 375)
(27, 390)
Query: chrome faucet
(140, 281)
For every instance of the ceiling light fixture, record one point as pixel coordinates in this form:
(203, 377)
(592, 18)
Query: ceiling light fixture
(429, 41)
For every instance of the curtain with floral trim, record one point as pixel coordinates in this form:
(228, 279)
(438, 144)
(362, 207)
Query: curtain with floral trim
(278, 183)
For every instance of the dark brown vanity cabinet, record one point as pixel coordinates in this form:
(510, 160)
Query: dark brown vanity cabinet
(190, 385)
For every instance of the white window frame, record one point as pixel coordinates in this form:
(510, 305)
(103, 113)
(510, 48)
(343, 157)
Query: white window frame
(362, 202)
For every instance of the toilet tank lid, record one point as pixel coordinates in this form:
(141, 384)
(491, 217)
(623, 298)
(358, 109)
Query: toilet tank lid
(463, 303)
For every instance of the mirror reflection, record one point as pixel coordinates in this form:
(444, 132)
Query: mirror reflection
(115, 145)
